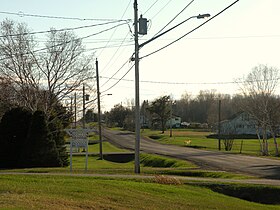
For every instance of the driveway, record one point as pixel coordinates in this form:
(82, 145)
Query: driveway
(257, 166)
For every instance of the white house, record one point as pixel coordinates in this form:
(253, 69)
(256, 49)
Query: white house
(175, 122)
(239, 124)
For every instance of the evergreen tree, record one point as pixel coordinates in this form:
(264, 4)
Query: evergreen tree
(40, 149)
(13, 136)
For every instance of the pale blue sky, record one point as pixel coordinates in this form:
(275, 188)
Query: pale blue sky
(226, 48)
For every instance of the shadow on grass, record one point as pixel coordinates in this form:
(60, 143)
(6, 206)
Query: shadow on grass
(257, 194)
(119, 158)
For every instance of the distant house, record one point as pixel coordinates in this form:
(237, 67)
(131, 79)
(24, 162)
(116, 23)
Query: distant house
(239, 124)
(175, 121)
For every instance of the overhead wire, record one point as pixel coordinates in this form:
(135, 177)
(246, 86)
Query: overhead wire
(150, 7)
(110, 60)
(59, 30)
(119, 79)
(122, 78)
(190, 31)
(109, 78)
(176, 83)
(192, 83)
(22, 14)
(116, 29)
(66, 42)
(175, 17)
(161, 9)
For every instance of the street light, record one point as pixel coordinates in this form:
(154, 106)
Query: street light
(159, 35)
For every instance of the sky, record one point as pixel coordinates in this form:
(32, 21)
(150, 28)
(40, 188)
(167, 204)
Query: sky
(210, 58)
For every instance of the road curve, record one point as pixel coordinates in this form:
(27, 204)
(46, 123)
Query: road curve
(257, 166)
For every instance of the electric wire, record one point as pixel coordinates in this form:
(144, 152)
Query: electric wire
(72, 40)
(59, 30)
(119, 79)
(177, 83)
(81, 38)
(109, 78)
(150, 7)
(22, 14)
(115, 29)
(161, 9)
(175, 17)
(190, 31)
(193, 83)
(110, 60)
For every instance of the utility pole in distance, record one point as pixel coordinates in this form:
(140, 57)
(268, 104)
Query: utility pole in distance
(137, 109)
(219, 124)
(99, 111)
(84, 107)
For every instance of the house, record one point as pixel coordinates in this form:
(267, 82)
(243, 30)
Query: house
(175, 121)
(239, 124)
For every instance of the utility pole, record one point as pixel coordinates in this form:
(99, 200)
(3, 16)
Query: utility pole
(137, 109)
(75, 110)
(84, 107)
(99, 111)
(219, 125)
(170, 121)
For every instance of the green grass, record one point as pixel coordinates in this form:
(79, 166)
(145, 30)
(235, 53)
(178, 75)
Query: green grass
(68, 192)
(199, 140)
(150, 165)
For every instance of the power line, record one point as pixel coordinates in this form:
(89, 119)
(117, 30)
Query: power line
(119, 79)
(109, 78)
(176, 83)
(66, 42)
(175, 17)
(22, 14)
(190, 31)
(192, 83)
(150, 7)
(112, 37)
(59, 30)
(161, 9)
(85, 37)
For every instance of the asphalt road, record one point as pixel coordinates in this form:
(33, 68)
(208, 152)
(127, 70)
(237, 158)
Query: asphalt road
(257, 166)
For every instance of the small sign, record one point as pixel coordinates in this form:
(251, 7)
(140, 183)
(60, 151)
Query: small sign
(78, 139)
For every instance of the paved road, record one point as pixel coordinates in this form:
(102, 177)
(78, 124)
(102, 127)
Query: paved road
(257, 166)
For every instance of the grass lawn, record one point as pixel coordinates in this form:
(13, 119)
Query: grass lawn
(197, 139)
(68, 192)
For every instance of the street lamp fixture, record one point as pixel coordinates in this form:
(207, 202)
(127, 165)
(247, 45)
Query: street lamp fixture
(203, 16)
(159, 35)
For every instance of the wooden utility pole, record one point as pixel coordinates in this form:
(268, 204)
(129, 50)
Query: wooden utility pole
(75, 110)
(137, 109)
(219, 124)
(84, 107)
(99, 112)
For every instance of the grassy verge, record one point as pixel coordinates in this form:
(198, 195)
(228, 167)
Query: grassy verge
(67, 192)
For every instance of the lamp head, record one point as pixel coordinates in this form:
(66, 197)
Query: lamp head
(203, 16)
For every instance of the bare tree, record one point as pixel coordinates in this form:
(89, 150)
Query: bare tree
(42, 77)
(258, 89)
